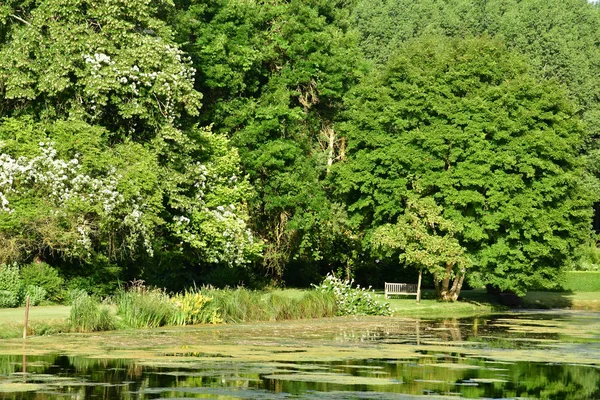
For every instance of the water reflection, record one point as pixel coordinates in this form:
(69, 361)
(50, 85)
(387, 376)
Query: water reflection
(455, 372)
(77, 377)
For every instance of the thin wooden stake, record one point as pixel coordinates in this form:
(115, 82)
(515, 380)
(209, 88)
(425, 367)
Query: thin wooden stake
(26, 318)
(419, 286)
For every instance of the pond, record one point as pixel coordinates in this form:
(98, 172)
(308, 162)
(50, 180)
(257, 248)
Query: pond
(551, 355)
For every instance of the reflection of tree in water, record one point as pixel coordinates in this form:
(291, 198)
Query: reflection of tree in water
(552, 381)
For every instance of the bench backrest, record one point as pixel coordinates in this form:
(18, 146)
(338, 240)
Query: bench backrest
(401, 287)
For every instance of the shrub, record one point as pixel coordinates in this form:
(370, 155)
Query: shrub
(87, 315)
(97, 276)
(352, 301)
(36, 294)
(589, 259)
(44, 276)
(8, 299)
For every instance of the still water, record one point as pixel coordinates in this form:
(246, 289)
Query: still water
(520, 355)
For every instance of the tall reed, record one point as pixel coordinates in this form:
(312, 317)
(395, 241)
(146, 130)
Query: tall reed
(243, 305)
(88, 315)
(145, 308)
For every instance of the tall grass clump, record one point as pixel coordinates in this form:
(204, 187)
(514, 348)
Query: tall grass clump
(237, 305)
(318, 304)
(352, 301)
(243, 305)
(140, 307)
(88, 315)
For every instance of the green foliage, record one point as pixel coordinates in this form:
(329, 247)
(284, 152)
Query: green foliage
(589, 259)
(426, 240)
(101, 101)
(274, 74)
(352, 301)
(37, 294)
(582, 281)
(42, 276)
(98, 276)
(191, 309)
(69, 192)
(88, 315)
(84, 198)
(495, 148)
(9, 299)
(127, 76)
(317, 304)
(558, 39)
(9, 278)
(243, 305)
(11, 287)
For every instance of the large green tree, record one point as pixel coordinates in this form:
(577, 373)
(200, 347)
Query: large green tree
(493, 146)
(558, 38)
(274, 74)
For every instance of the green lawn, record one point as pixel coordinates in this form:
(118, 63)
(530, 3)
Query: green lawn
(43, 320)
(472, 303)
(36, 314)
(477, 302)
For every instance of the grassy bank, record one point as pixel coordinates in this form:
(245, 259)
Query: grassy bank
(477, 302)
(155, 308)
(142, 307)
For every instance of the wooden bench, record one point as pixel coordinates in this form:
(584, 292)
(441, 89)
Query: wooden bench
(408, 289)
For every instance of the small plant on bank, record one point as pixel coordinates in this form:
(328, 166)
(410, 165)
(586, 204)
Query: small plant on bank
(352, 301)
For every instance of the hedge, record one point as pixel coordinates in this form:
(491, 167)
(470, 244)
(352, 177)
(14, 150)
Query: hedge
(582, 281)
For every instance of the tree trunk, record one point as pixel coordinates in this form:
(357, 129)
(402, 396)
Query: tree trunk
(451, 294)
(444, 292)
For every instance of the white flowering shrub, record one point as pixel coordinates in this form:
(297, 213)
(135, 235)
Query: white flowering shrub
(67, 190)
(211, 219)
(64, 190)
(353, 301)
(148, 179)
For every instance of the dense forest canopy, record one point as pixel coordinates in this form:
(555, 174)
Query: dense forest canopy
(271, 142)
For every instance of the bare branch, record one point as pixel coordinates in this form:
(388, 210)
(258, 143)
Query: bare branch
(20, 19)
